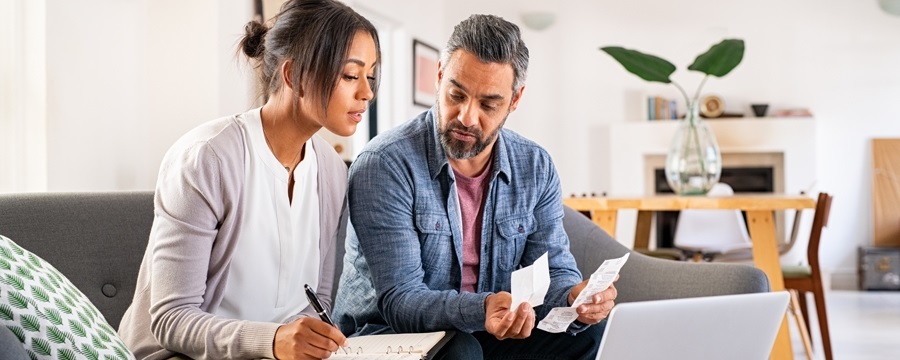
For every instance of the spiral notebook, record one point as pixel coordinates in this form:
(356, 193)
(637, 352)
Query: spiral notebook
(413, 346)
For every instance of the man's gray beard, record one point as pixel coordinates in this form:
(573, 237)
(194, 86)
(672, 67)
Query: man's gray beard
(455, 149)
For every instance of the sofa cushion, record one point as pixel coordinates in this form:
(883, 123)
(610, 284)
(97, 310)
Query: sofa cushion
(50, 316)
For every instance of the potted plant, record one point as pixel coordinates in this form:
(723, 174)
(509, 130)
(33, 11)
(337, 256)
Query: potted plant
(693, 164)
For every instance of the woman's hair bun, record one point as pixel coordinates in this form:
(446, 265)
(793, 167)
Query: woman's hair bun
(253, 43)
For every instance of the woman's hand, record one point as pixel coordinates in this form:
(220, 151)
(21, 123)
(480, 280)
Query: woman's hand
(307, 338)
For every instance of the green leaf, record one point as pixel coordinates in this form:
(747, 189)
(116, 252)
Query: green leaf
(84, 320)
(6, 253)
(56, 335)
(39, 294)
(40, 346)
(25, 273)
(97, 343)
(47, 285)
(31, 323)
(120, 353)
(109, 357)
(4, 265)
(18, 301)
(89, 353)
(69, 300)
(16, 248)
(67, 354)
(77, 329)
(720, 59)
(53, 316)
(62, 306)
(36, 261)
(6, 313)
(18, 332)
(15, 282)
(104, 336)
(54, 275)
(32, 355)
(646, 66)
(53, 280)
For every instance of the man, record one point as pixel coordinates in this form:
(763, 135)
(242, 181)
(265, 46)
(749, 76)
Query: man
(446, 206)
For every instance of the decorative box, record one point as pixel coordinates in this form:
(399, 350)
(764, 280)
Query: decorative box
(879, 268)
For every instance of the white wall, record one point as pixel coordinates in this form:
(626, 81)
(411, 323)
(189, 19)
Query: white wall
(126, 78)
(838, 58)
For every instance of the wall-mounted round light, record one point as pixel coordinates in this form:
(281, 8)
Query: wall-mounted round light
(538, 20)
(890, 6)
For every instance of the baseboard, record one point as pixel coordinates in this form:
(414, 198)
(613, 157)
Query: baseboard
(842, 279)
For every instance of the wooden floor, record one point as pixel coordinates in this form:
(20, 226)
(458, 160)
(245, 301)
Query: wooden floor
(864, 325)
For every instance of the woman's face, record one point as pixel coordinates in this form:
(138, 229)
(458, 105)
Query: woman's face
(353, 89)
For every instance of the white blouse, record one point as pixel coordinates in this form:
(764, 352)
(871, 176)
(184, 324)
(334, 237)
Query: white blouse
(278, 248)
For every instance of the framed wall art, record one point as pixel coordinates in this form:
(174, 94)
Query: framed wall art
(425, 66)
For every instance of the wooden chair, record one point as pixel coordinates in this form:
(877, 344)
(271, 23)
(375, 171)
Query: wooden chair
(809, 278)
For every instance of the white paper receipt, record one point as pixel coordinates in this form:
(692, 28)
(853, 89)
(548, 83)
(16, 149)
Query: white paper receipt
(558, 319)
(530, 284)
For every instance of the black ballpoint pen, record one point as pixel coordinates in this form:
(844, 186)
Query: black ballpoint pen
(317, 305)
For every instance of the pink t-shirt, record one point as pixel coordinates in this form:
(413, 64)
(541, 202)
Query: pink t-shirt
(471, 204)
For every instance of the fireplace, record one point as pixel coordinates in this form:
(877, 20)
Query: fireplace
(741, 179)
(746, 173)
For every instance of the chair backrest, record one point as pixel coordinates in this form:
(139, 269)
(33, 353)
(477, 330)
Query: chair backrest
(712, 230)
(820, 221)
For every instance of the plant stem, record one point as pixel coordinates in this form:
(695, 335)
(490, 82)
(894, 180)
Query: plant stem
(702, 82)
(687, 101)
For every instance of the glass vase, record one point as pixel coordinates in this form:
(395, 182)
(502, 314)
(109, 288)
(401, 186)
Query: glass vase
(693, 164)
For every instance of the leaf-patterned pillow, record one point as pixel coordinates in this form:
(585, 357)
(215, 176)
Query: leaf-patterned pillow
(48, 314)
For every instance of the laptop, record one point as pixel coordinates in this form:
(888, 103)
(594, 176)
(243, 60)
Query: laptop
(735, 327)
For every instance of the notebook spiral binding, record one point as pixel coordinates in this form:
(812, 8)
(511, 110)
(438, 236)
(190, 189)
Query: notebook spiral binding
(399, 350)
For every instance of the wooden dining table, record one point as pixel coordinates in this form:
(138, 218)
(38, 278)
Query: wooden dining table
(760, 220)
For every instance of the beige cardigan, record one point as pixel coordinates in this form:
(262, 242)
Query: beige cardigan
(197, 209)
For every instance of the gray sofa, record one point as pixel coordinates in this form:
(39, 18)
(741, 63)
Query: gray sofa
(98, 239)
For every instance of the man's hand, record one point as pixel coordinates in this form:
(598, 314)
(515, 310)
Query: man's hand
(307, 338)
(599, 305)
(506, 324)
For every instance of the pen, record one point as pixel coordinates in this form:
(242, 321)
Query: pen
(317, 305)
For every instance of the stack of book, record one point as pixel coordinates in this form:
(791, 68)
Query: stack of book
(660, 108)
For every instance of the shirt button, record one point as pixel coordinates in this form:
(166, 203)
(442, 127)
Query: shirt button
(521, 229)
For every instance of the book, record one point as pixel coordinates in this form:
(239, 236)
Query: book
(413, 346)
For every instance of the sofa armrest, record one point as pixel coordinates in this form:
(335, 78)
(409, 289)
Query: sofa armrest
(647, 278)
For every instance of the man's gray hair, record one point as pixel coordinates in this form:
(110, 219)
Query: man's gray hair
(491, 39)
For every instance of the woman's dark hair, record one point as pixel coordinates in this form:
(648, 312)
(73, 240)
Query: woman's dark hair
(316, 36)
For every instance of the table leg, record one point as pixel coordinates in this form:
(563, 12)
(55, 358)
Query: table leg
(765, 257)
(642, 230)
(606, 220)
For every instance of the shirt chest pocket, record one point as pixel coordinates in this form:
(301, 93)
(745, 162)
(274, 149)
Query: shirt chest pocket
(435, 241)
(513, 232)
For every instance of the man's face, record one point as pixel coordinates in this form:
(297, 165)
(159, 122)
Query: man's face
(473, 102)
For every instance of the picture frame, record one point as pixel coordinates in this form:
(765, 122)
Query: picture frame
(424, 77)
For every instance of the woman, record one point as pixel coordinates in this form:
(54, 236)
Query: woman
(248, 207)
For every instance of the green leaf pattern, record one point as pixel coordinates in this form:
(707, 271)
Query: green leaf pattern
(40, 347)
(67, 354)
(48, 314)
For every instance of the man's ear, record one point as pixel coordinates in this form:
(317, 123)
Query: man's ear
(515, 99)
(440, 74)
(287, 79)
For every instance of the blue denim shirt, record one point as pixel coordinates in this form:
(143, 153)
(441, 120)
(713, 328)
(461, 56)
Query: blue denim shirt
(404, 244)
